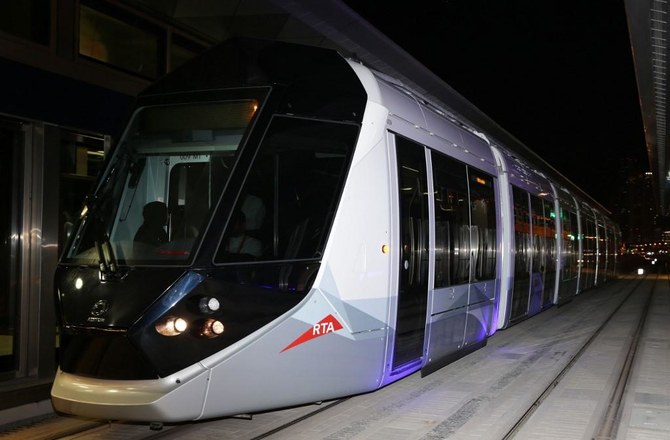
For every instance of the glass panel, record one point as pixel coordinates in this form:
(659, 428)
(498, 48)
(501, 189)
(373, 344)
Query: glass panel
(452, 220)
(30, 20)
(119, 43)
(164, 178)
(286, 207)
(11, 142)
(482, 203)
(523, 253)
(540, 231)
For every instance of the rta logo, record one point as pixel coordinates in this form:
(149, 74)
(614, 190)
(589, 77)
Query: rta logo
(327, 325)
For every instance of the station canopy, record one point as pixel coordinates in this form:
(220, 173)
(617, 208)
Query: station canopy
(648, 28)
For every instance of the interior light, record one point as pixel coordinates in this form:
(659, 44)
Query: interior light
(171, 326)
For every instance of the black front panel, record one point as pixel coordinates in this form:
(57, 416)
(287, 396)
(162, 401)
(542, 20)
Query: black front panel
(89, 301)
(249, 297)
(104, 355)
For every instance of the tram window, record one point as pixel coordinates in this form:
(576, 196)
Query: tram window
(482, 203)
(452, 222)
(294, 185)
(465, 223)
(523, 253)
(165, 177)
(570, 249)
(538, 236)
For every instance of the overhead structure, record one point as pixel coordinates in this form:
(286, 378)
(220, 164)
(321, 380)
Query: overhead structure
(648, 28)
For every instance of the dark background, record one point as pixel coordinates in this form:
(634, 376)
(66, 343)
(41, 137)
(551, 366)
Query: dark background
(558, 76)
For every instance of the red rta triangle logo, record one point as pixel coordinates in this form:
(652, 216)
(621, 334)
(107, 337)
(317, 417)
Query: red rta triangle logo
(327, 325)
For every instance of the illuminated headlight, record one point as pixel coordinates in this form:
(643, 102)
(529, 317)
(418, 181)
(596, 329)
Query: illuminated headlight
(171, 326)
(209, 304)
(212, 328)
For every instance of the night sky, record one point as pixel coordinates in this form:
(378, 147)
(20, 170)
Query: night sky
(557, 75)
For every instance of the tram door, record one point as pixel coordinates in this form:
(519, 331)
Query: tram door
(413, 282)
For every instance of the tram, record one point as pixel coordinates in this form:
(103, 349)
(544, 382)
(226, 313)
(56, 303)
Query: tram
(281, 225)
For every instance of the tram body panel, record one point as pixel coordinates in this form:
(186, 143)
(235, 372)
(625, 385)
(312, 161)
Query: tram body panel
(302, 359)
(171, 399)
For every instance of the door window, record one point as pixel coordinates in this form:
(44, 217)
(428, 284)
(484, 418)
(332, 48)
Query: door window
(413, 286)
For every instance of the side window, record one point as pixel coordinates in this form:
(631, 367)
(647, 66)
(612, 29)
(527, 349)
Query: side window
(482, 203)
(452, 221)
(286, 206)
(465, 223)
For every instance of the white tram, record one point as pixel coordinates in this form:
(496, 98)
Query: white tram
(279, 225)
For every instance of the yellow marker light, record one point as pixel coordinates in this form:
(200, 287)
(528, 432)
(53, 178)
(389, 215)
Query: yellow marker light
(386, 249)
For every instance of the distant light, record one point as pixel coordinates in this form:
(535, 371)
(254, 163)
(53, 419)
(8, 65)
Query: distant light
(78, 283)
(640, 271)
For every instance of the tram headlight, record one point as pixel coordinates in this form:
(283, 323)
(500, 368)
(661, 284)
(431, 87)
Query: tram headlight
(171, 326)
(209, 304)
(212, 328)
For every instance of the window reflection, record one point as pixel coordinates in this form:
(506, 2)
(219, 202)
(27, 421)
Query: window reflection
(135, 48)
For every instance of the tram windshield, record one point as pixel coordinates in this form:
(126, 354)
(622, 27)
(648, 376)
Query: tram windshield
(162, 183)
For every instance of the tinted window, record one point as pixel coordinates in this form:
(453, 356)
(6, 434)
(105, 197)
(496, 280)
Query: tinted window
(465, 223)
(483, 220)
(452, 222)
(163, 180)
(287, 204)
